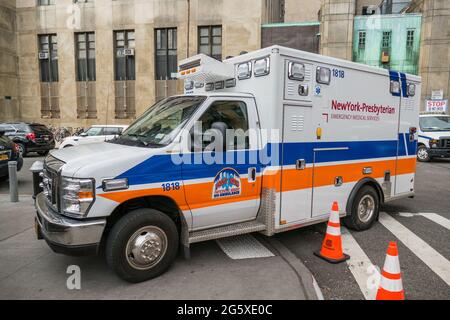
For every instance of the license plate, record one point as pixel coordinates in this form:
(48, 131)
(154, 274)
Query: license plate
(46, 138)
(4, 157)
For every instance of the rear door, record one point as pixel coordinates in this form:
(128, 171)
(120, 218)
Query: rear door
(224, 187)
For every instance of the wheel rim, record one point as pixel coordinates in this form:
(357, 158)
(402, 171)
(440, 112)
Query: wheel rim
(146, 247)
(21, 149)
(422, 153)
(366, 208)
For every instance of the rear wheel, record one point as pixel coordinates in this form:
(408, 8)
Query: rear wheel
(22, 149)
(43, 153)
(364, 209)
(142, 245)
(422, 154)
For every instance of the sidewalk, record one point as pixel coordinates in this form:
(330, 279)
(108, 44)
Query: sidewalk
(30, 270)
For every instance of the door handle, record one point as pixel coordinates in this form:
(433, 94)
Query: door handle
(252, 174)
(300, 164)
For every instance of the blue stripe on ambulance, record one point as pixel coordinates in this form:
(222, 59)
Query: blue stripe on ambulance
(404, 85)
(393, 76)
(161, 168)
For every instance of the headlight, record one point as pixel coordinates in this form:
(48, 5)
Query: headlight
(434, 143)
(77, 196)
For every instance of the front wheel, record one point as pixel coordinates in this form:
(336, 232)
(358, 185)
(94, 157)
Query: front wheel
(22, 150)
(364, 209)
(142, 245)
(422, 154)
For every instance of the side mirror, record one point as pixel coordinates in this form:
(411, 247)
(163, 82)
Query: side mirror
(84, 134)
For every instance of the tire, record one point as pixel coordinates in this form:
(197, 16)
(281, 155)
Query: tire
(43, 153)
(357, 220)
(22, 149)
(422, 154)
(144, 225)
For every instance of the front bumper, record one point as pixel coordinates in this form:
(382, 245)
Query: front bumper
(66, 235)
(439, 152)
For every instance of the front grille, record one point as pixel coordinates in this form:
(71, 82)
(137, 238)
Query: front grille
(51, 180)
(446, 143)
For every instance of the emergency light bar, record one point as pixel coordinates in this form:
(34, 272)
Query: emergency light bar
(204, 69)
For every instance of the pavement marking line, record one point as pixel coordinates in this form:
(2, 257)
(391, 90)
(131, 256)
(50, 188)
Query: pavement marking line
(359, 264)
(243, 247)
(436, 218)
(433, 259)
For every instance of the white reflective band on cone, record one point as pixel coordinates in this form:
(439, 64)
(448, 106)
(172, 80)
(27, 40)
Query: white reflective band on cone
(391, 285)
(334, 231)
(334, 217)
(391, 264)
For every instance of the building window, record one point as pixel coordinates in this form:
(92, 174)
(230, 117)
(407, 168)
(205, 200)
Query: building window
(210, 41)
(48, 57)
(45, 2)
(85, 56)
(362, 40)
(166, 53)
(124, 44)
(409, 39)
(386, 40)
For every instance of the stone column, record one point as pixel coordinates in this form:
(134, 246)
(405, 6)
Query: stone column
(434, 64)
(336, 28)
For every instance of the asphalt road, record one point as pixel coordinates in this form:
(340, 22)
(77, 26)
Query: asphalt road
(420, 226)
(420, 264)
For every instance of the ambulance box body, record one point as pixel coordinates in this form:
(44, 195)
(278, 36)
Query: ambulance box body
(310, 130)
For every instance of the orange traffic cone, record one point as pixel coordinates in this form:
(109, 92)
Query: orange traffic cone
(391, 287)
(332, 244)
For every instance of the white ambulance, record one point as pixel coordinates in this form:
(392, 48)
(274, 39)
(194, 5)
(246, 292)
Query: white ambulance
(434, 136)
(308, 130)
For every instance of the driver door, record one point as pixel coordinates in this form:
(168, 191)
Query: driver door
(224, 187)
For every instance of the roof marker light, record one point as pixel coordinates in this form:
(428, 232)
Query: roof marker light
(229, 83)
(209, 86)
(219, 85)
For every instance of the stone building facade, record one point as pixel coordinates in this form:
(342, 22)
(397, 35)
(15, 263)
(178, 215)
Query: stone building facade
(79, 62)
(71, 64)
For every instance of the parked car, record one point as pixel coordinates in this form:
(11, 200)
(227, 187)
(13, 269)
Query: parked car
(96, 133)
(434, 137)
(30, 137)
(9, 151)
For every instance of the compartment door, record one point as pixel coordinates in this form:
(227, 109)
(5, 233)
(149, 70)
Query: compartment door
(296, 159)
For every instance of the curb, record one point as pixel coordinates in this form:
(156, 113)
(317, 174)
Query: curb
(308, 283)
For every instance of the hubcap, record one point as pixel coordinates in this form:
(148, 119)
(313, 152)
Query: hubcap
(366, 208)
(422, 154)
(21, 149)
(146, 247)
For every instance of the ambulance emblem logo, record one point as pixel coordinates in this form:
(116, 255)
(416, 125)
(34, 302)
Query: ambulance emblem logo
(227, 183)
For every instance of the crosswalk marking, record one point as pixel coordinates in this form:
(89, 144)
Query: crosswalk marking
(360, 265)
(437, 219)
(433, 259)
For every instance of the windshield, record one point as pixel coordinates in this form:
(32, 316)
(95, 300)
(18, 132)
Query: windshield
(93, 131)
(435, 123)
(159, 125)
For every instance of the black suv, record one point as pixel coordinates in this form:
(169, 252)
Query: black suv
(30, 137)
(9, 151)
